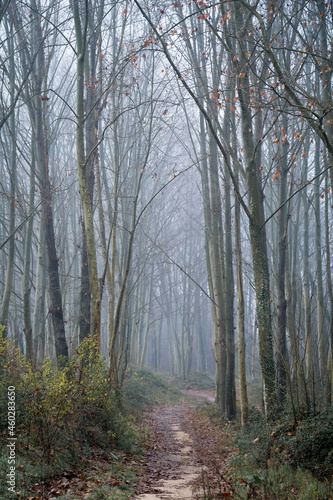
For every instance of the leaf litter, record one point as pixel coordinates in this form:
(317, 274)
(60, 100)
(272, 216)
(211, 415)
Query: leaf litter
(187, 458)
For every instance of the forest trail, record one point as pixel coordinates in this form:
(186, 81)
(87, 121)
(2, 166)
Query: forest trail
(173, 465)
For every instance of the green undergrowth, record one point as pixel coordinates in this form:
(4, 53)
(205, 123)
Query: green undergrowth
(288, 460)
(196, 381)
(143, 389)
(255, 392)
(65, 418)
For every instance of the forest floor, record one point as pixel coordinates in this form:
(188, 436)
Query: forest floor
(185, 460)
(184, 457)
(186, 452)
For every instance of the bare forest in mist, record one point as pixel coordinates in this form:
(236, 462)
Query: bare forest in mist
(166, 206)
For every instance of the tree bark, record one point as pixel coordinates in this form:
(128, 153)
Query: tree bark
(30, 353)
(229, 306)
(11, 246)
(319, 280)
(282, 358)
(241, 320)
(257, 238)
(81, 34)
(330, 291)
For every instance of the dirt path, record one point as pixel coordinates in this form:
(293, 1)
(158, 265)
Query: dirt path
(173, 466)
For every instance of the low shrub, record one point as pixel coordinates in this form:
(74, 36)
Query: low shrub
(62, 415)
(290, 460)
(307, 443)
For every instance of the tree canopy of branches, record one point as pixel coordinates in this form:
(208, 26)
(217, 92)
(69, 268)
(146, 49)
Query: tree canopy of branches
(166, 184)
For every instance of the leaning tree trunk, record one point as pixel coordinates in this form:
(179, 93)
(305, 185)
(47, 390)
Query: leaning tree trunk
(42, 157)
(37, 111)
(56, 309)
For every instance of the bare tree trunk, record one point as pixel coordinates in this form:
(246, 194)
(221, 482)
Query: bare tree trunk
(112, 293)
(229, 306)
(85, 309)
(115, 332)
(38, 333)
(217, 277)
(53, 269)
(30, 353)
(145, 343)
(11, 246)
(319, 279)
(81, 35)
(213, 215)
(309, 359)
(91, 128)
(282, 359)
(330, 290)
(257, 238)
(241, 320)
(202, 365)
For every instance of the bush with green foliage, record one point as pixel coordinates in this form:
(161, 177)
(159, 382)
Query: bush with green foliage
(62, 414)
(307, 443)
(290, 460)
